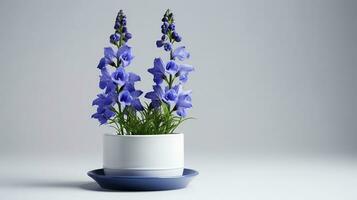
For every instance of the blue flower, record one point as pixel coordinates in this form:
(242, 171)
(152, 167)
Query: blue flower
(133, 77)
(130, 97)
(165, 28)
(127, 36)
(176, 97)
(158, 71)
(183, 72)
(125, 98)
(119, 76)
(180, 53)
(167, 46)
(172, 68)
(172, 27)
(114, 38)
(103, 100)
(109, 58)
(159, 43)
(120, 21)
(170, 96)
(104, 110)
(124, 55)
(105, 81)
(102, 63)
(103, 114)
(135, 96)
(109, 55)
(183, 101)
(156, 94)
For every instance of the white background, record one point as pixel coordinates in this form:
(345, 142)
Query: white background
(274, 80)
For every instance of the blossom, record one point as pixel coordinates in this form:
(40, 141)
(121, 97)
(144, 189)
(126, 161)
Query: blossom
(119, 76)
(158, 71)
(127, 36)
(104, 110)
(183, 101)
(155, 96)
(114, 38)
(105, 81)
(168, 29)
(176, 97)
(167, 46)
(120, 26)
(172, 68)
(130, 97)
(118, 86)
(102, 63)
(183, 72)
(103, 115)
(125, 97)
(109, 55)
(109, 58)
(170, 96)
(159, 43)
(180, 53)
(133, 77)
(176, 37)
(124, 55)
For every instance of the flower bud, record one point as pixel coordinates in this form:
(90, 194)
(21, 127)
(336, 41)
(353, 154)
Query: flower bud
(159, 43)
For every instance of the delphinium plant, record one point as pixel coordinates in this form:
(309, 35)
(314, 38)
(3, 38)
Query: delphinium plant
(119, 105)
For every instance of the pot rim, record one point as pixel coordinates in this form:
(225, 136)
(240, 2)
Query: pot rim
(156, 135)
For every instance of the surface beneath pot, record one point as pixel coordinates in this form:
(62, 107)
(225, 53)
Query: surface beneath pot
(231, 177)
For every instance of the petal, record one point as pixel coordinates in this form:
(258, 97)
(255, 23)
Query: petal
(109, 53)
(123, 49)
(129, 86)
(119, 76)
(186, 68)
(125, 97)
(133, 77)
(152, 96)
(155, 104)
(178, 88)
(158, 79)
(102, 120)
(172, 68)
(108, 113)
(159, 65)
(102, 84)
(181, 112)
(102, 63)
(136, 93)
(158, 90)
(137, 105)
(183, 77)
(96, 115)
(184, 104)
(181, 53)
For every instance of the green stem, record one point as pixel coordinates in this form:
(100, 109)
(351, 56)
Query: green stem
(170, 81)
(120, 115)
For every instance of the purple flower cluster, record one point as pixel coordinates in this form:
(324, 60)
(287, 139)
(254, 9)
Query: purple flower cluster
(173, 95)
(119, 96)
(117, 84)
(121, 32)
(169, 32)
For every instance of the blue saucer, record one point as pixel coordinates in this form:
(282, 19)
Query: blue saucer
(139, 183)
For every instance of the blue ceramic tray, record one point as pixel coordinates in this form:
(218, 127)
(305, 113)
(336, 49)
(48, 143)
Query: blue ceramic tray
(139, 183)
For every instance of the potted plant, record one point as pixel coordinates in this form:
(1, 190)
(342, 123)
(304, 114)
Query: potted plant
(145, 142)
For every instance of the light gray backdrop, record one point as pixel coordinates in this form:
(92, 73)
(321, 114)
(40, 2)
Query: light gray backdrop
(271, 76)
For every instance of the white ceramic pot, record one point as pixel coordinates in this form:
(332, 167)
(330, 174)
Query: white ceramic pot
(143, 155)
